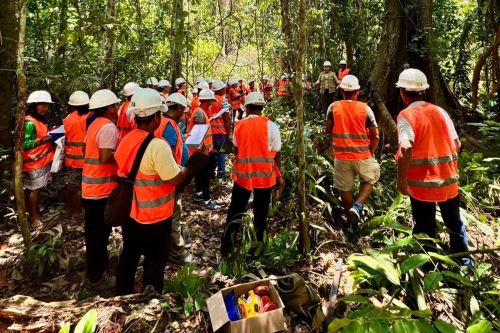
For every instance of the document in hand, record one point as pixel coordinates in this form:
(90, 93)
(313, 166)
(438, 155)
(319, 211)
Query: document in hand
(57, 133)
(218, 114)
(196, 136)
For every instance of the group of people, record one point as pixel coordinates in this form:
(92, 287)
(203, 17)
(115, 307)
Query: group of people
(104, 138)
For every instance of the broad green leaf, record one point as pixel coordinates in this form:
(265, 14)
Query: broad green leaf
(418, 291)
(88, 322)
(444, 327)
(458, 277)
(405, 326)
(443, 258)
(354, 299)
(482, 326)
(378, 326)
(337, 324)
(199, 302)
(413, 262)
(424, 326)
(473, 303)
(356, 326)
(378, 262)
(188, 309)
(431, 280)
(65, 328)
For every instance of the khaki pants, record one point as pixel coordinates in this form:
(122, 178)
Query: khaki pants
(368, 171)
(177, 248)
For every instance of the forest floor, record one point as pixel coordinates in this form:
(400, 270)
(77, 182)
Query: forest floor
(64, 279)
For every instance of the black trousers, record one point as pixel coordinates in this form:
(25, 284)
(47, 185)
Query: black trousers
(150, 240)
(239, 201)
(326, 99)
(202, 181)
(96, 238)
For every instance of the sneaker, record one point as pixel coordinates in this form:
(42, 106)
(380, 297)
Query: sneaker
(210, 204)
(354, 214)
(198, 197)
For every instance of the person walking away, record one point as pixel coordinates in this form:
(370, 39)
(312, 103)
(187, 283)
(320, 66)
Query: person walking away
(355, 138)
(125, 118)
(98, 181)
(38, 153)
(256, 169)
(251, 86)
(75, 126)
(202, 178)
(147, 231)
(221, 128)
(427, 162)
(343, 70)
(235, 100)
(176, 103)
(327, 83)
(164, 88)
(152, 83)
(266, 88)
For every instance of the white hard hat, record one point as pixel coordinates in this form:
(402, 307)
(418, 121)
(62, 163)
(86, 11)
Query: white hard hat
(210, 80)
(145, 102)
(206, 94)
(78, 98)
(177, 98)
(179, 81)
(265, 77)
(349, 83)
(250, 81)
(195, 90)
(412, 79)
(255, 98)
(102, 98)
(130, 88)
(343, 62)
(164, 83)
(327, 64)
(200, 79)
(232, 81)
(40, 96)
(202, 85)
(218, 85)
(152, 81)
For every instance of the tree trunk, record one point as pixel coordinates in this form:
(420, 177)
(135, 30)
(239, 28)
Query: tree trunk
(177, 39)
(8, 47)
(19, 137)
(61, 46)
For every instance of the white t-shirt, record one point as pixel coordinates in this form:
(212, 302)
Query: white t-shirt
(273, 135)
(406, 131)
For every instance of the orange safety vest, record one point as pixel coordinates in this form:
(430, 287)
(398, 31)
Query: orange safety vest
(153, 199)
(254, 166)
(163, 124)
(75, 126)
(283, 87)
(207, 141)
(235, 104)
(124, 125)
(433, 172)
(267, 90)
(343, 73)
(42, 155)
(98, 179)
(195, 103)
(249, 90)
(350, 139)
(159, 134)
(217, 125)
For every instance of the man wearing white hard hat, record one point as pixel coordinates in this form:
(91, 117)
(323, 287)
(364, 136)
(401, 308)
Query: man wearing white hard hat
(235, 98)
(251, 86)
(125, 117)
(38, 152)
(221, 128)
(343, 70)
(210, 81)
(427, 162)
(164, 89)
(256, 169)
(147, 232)
(327, 83)
(152, 82)
(98, 181)
(75, 127)
(355, 135)
(202, 179)
(180, 86)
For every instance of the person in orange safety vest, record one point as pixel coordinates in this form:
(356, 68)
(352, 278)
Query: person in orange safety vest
(256, 169)
(147, 232)
(221, 128)
(266, 88)
(38, 152)
(234, 99)
(98, 181)
(125, 118)
(75, 127)
(427, 162)
(343, 70)
(284, 85)
(251, 86)
(355, 138)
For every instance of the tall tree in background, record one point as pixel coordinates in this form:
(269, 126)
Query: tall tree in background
(108, 78)
(8, 47)
(177, 39)
(19, 136)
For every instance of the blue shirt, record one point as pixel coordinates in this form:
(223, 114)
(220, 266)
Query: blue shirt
(170, 135)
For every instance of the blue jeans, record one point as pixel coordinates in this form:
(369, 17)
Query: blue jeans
(424, 215)
(219, 159)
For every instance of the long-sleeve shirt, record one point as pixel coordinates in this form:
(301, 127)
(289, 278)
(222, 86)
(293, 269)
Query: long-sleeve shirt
(29, 135)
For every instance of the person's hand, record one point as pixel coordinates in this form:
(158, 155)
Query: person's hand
(44, 139)
(280, 183)
(402, 187)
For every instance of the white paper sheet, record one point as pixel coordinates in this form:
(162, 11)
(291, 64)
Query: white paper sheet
(196, 136)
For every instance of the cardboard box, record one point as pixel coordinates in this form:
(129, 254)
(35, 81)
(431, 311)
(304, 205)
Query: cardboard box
(267, 322)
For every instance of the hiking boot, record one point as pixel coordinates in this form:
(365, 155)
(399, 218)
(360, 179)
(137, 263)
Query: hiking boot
(210, 204)
(198, 197)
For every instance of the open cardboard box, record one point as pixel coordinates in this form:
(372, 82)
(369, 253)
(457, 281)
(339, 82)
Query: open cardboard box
(272, 321)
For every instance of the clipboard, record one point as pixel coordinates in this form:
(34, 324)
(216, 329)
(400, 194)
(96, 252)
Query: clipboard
(196, 136)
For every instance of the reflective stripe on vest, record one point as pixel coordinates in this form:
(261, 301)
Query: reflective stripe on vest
(98, 179)
(433, 172)
(350, 139)
(75, 128)
(254, 166)
(208, 141)
(153, 199)
(40, 156)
